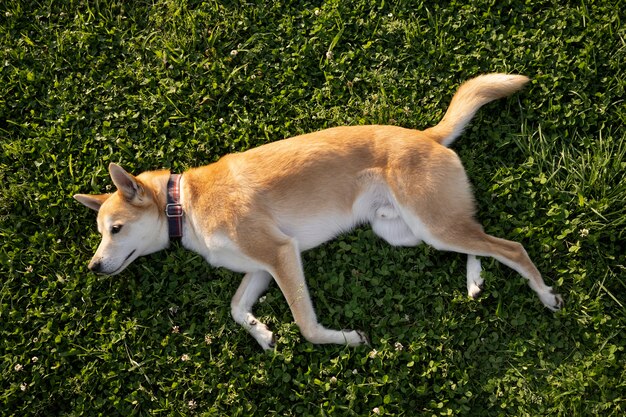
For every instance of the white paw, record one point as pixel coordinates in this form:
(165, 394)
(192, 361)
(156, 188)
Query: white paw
(355, 338)
(474, 289)
(551, 299)
(262, 334)
(474, 280)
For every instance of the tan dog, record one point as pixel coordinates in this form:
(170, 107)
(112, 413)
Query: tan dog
(256, 211)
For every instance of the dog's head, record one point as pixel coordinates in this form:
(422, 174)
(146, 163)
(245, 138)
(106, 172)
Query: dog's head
(130, 221)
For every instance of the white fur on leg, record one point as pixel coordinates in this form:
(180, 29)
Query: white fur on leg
(474, 280)
(252, 286)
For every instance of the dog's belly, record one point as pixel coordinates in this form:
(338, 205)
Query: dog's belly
(374, 206)
(313, 231)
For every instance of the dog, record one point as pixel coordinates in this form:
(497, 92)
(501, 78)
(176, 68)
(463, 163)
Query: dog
(255, 212)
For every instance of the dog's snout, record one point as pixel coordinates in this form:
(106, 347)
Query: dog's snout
(95, 266)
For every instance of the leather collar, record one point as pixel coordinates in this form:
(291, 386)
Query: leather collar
(173, 208)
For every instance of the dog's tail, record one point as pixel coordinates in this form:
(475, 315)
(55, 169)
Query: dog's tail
(471, 96)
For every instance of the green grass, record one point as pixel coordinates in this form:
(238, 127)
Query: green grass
(157, 84)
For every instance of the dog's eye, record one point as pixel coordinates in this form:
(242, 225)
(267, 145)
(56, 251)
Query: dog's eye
(116, 229)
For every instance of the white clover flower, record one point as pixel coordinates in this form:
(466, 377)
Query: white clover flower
(18, 367)
(398, 346)
(316, 12)
(234, 52)
(23, 386)
(185, 357)
(207, 339)
(333, 380)
(29, 269)
(584, 232)
(175, 329)
(329, 55)
(373, 353)
(376, 410)
(192, 405)
(34, 359)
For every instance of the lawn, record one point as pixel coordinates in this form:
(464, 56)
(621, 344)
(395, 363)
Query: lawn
(177, 84)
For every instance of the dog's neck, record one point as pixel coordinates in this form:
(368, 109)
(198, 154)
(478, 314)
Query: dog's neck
(173, 207)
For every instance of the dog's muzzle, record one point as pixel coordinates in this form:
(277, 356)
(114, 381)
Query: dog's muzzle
(98, 267)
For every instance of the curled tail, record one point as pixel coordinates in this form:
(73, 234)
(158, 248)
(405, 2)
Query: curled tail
(471, 96)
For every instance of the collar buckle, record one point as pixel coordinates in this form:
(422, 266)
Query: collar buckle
(174, 210)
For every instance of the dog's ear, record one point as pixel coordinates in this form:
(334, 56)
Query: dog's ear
(92, 201)
(128, 185)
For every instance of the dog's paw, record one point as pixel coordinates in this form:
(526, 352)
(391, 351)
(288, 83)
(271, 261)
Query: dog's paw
(364, 339)
(552, 300)
(474, 289)
(264, 336)
(355, 338)
(474, 280)
(272, 344)
(558, 302)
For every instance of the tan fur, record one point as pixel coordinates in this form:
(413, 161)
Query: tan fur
(256, 211)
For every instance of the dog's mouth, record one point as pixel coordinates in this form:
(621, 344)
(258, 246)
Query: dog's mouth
(124, 265)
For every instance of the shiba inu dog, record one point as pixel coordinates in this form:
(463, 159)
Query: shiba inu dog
(255, 212)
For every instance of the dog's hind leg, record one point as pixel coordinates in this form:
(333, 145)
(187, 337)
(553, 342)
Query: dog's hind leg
(440, 209)
(467, 236)
(513, 255)
(474, 280)
(252, 286)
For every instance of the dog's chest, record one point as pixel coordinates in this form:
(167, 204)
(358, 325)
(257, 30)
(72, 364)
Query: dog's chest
(220, 251)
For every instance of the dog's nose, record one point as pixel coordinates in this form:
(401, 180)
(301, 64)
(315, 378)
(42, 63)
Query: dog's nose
(95, 266)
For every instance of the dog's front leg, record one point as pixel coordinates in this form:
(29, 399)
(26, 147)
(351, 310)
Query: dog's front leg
(252, 286)
(288, 274)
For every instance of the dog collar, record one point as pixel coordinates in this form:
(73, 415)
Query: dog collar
(173, 208)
